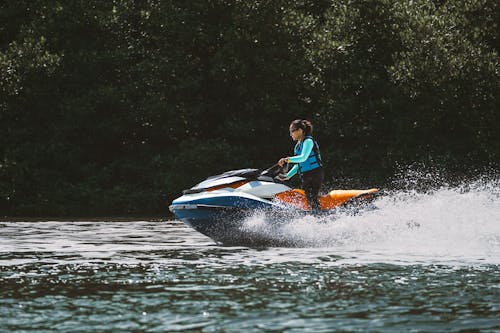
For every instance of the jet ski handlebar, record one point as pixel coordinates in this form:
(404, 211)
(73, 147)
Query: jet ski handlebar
(275, 170)
(235, 176)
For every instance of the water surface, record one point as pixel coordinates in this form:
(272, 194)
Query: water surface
(421, 263)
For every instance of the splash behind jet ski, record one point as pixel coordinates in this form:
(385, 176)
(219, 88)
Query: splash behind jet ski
(218, 206)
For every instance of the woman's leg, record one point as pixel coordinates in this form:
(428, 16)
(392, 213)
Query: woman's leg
(311, 182)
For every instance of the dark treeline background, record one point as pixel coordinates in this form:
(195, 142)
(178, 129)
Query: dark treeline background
(114, 107)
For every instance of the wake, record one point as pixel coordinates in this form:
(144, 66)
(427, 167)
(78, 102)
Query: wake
(460, 222)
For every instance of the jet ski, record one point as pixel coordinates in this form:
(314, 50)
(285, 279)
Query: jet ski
(218, 206)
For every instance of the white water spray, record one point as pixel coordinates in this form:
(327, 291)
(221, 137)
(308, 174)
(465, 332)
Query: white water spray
(459, 223)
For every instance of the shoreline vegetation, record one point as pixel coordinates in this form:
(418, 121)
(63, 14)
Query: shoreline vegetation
(114, 108)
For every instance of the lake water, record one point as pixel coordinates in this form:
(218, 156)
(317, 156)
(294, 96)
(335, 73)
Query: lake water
(423, 262)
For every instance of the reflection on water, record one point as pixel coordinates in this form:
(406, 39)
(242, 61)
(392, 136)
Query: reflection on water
(162, 276)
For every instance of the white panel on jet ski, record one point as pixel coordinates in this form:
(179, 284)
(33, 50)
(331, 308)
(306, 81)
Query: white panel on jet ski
(217, 182)
(263, 189)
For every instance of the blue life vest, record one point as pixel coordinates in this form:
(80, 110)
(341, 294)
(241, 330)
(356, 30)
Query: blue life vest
(314, 159)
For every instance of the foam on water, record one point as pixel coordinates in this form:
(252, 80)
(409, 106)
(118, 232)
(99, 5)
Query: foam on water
(459, 223)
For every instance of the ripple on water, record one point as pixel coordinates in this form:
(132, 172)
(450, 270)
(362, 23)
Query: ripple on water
(162, 276)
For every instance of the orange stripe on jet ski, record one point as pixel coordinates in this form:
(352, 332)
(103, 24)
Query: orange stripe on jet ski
(337, 198)
(331, 200)
(295, 198)
(232, 185)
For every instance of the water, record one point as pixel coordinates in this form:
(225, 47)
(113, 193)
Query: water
(423, 262)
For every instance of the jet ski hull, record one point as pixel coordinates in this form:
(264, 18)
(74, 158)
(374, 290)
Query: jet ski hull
(215, 222)
(227, 227)
(221, 216)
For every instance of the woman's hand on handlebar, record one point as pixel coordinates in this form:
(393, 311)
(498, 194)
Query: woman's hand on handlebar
(283, 161)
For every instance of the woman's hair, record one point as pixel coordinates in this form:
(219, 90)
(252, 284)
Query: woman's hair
(303, 124)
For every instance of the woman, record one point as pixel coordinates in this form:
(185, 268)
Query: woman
(307, 161)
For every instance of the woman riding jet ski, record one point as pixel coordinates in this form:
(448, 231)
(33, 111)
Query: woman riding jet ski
(219, 206)
(307, 161)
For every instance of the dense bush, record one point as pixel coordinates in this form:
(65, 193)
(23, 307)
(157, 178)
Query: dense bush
(114, 107)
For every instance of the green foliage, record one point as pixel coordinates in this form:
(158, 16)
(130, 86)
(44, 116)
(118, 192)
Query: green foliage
(113, 108)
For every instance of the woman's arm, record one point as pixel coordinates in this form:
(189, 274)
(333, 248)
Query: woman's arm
(292, 171)
(304, 154)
